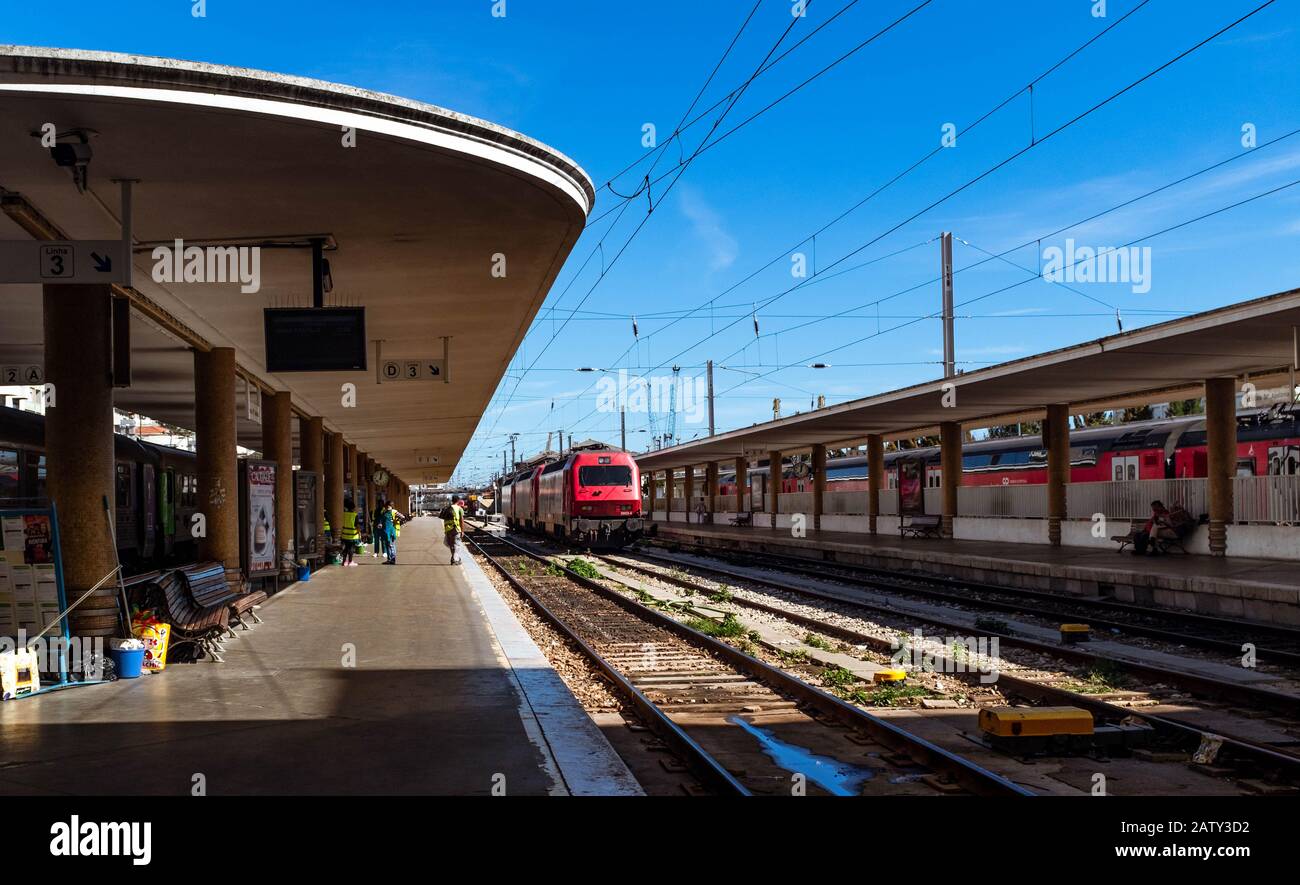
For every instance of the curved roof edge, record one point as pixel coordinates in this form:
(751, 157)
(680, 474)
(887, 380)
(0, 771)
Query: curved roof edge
(98, 68)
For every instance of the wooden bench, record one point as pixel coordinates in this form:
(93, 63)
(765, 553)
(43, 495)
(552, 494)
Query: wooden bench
(742, 519)
(192, 623)
(211, 585)
(1161, 543)
(925, 525)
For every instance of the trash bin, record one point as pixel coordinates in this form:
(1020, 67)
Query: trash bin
(304, 573)
(128, 662)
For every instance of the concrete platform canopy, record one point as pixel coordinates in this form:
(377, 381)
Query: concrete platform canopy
(1253, 341)
(439, 224)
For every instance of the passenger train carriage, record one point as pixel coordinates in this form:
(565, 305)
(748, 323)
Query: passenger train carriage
(590, 497)
(1268, 443)
(155, 490)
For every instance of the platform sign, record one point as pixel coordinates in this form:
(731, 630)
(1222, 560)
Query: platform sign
(15, 376)
(64, 261)
(426, 459)
(412, 370)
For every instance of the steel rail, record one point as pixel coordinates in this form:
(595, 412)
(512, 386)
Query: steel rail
(879, 577)
(1032, 690)
(968, 775)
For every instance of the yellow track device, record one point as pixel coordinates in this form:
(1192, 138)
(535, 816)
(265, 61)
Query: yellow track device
(19, 674)
(1013, 722)
(1072, 633)
(890, 674)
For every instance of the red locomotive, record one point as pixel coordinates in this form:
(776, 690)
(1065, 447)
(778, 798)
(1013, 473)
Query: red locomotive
(590, 497)
(1268, 443)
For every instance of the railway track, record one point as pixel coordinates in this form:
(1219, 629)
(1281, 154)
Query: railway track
(743, 726)
(1234, 756)
(1273, 643)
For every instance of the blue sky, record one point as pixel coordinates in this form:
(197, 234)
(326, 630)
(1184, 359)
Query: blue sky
(585, 76)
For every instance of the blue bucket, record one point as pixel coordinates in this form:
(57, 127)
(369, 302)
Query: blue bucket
(304, 573)
(128, 662)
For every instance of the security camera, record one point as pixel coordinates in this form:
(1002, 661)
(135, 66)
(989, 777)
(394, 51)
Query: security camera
(72, 154)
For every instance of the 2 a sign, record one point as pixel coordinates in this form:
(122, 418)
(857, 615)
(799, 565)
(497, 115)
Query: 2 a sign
(19, 375)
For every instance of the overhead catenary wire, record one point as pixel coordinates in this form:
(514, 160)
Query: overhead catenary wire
(820, 274)
(679, 172)
(1007, 288)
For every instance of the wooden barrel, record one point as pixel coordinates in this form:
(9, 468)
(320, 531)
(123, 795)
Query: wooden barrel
(98, 614)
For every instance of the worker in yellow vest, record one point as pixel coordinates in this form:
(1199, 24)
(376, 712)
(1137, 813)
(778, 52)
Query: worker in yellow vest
(350, 535)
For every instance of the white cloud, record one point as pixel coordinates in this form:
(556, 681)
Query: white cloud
(707, 226)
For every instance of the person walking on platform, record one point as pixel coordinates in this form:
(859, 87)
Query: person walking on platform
(349, 533)
(453, 526)
(376, 528)
(388, 527)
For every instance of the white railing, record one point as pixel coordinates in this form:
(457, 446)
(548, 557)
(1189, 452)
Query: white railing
(1132, 499)
(1269, 500)
(889, 502)
(1266, 499)
(1025, 501)
(844, 503)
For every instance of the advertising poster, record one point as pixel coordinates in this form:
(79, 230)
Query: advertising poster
(38, 540)
(911, 487)
(305, 528)
(260, 483)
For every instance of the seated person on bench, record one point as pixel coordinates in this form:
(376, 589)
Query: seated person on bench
(1157, 528)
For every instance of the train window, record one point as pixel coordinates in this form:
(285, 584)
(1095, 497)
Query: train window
(8, 473)
(605, 475)
(40, 475)
(976, 462)
(123, 485)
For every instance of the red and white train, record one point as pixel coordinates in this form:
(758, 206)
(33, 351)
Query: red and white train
(1268, 443)
(590, 497)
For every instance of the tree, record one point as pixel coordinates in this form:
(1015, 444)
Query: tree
(1009, 431)
(1186, 407)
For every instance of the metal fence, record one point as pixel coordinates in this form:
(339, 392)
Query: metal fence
(1131, 499)
(1266, 499)
(1025, 501)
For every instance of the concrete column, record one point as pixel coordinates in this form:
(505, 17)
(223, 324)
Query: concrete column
(950, 463)
(334, 485)
(1056, 439)
(742, 481)
(819, 484)
(875, 478)
(79, 446)
(774, 485)
(1221, 442)
(311, 440)
(653, 480)
(688, 482)
(215, 441)
(349, 466)
(277, 446)
(669, 476)
(711, 486)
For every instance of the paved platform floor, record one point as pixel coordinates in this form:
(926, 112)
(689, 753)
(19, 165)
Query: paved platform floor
(448, 695)
(1234, 586)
